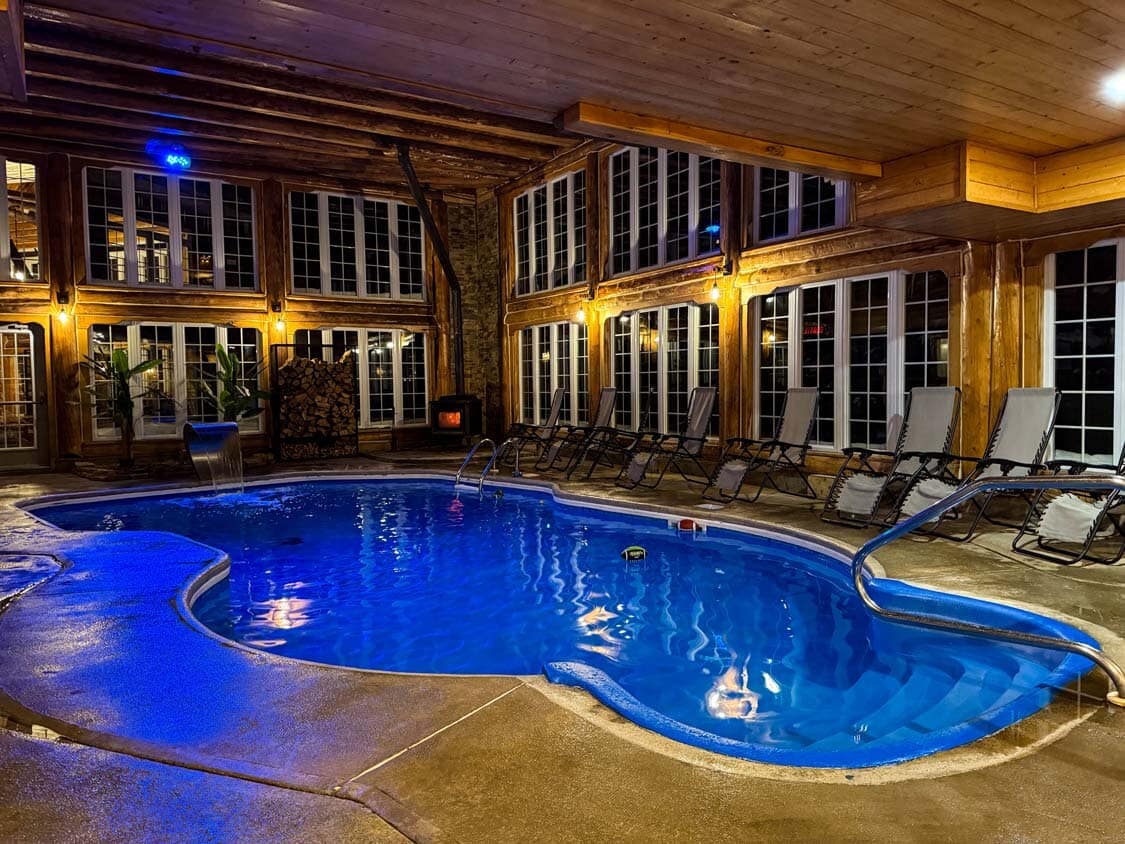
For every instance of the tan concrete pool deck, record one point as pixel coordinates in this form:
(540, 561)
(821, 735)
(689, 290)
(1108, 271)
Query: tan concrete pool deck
(258, 747)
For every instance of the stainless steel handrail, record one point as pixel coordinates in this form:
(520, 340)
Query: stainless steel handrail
(960, 496)
(470, 455)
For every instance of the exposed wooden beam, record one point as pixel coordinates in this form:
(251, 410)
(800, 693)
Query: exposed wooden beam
(626, 127)
(279, 105)
(11, 49)
(72, 41)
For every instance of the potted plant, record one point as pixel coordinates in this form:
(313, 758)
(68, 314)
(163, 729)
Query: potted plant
(119, 376)
(234, 399)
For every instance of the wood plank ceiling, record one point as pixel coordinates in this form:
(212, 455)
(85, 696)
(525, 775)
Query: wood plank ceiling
(477, 84)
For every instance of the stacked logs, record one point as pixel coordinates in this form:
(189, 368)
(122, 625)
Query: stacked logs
(318, 408)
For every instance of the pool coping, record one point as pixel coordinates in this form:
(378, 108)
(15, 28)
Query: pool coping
(195, 585)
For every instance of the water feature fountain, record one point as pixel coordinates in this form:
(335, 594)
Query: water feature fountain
(216, 454)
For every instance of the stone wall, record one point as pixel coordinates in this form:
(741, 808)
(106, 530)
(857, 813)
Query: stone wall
(475, 250)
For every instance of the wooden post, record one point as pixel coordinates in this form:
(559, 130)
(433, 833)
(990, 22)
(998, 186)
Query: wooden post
(977, 321)
(60, 223)
(1007, 337)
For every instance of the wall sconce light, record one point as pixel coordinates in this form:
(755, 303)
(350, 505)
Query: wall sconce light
(279, 325)
(715, 293)
(581, 315)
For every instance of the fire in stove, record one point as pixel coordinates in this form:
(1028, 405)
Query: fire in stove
(456, 416)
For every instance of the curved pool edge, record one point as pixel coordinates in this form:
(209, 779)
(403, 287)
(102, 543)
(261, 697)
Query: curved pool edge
(599, 685)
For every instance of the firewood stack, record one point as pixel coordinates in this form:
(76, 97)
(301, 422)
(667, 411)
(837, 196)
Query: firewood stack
(319, 415)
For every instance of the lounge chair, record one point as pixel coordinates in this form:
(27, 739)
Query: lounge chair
(1015, 449)
(670, 450)
(521, 435)
(783, 455)
(863, 492)
(569, 442)
(1067, 527)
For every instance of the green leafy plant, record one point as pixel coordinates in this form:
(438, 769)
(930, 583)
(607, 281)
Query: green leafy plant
(233, 398)
(118, 377)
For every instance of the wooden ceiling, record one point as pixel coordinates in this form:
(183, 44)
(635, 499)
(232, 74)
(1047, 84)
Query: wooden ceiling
(476, 85)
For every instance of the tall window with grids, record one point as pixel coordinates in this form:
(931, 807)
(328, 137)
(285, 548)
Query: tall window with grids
(550, 234)
(818, 354)
(1085, 350)
(660, 356)
(664, 207)
(867, 361)
(548, 362)
(790, 204)
(773, 366)
(391, 381)
(151, 229)
(346, 245)
(19, 222)
(863, 342)
(181, 387)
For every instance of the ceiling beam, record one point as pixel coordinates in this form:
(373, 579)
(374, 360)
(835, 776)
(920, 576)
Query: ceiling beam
(72, 41)
(11, 49)
(172, 87)
(626, 127)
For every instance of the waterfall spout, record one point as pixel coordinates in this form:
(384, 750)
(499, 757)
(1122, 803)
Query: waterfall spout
(215, 453)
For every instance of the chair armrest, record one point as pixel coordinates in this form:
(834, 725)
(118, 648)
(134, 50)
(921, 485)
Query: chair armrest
(1077, 467)
(859, 450)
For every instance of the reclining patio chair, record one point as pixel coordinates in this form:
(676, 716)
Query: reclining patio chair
(668, 451)
(1015, 449)
(570, 442)
(783, 455)
(522, 435)
(864, 493)
(1067, 527)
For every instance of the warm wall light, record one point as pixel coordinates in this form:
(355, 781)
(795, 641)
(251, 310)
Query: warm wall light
(279, 325)
(581, 315)
(715, 292)
(63, 317)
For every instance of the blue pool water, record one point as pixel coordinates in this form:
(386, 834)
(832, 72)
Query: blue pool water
(741, 643)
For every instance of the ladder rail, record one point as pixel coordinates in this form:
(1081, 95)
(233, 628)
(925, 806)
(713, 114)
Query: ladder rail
(956, 498)
(472, 453)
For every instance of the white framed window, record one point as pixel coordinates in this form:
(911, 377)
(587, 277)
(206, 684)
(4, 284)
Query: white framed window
(1084, 349)
(863, 341)
(133, 218)
(343, 245)
(188, 361)
(659, 356)
(791, 204)
(19, 222)
(664, 207)
(550, 234)
(552, 356)
(391, 375)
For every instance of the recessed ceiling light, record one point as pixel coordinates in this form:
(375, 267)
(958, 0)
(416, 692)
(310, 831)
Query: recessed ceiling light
(1113, 88)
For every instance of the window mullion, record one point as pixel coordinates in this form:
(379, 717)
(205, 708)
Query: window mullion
(693, 347)
(392, 248)
(896, 346)
(634, 222)
(179, 374)
(755, 308)
(218, 242)
(574, 391)
(396, 370)
(325, 257)
(175, 235)
(5, 233)
(693, 207)
(133, 350)
(661, 207)
(1119, 363)
(794, 204)
(129, 207)
(360, 247)
(841, 393)
(571, 238)
(635, 366)
(662, 370)
(550, 244)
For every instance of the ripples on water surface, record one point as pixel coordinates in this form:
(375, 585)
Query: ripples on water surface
(744, 637)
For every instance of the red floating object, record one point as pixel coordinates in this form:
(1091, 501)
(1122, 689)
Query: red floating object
(690, 525)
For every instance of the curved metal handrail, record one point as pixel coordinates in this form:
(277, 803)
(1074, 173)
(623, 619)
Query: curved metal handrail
(960, 496)
(470, 455)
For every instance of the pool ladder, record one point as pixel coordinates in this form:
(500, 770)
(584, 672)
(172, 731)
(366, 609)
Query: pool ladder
(496, 452)
(957, 498)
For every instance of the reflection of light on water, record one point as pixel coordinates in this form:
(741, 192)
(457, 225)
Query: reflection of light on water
(592, 623)
(286, 613)
(595, 616)
(730, 696)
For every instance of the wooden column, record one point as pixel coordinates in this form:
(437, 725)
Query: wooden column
(595, 264)
(1007, 321)
(977, 322)
(272, 249)
(731, 354)
(61, 267)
